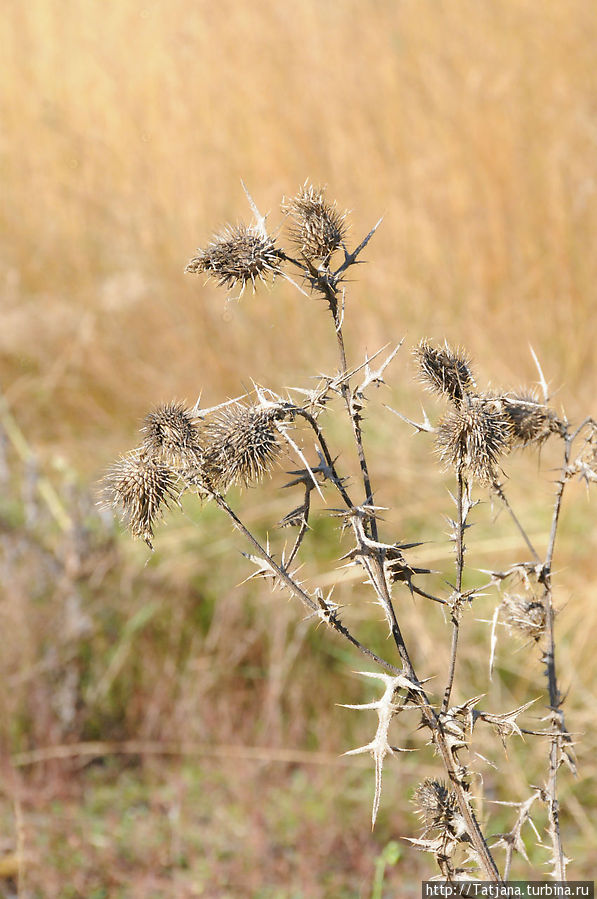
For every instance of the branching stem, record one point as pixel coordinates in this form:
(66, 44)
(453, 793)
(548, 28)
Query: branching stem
(374, 565)
(330, 617)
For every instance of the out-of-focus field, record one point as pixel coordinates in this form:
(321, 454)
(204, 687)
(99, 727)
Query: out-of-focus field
(126, 128)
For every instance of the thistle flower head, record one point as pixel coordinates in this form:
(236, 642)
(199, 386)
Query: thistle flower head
(241, 254)
(318, 228)
(241, 444)
(171, 435)
(138, 488)
(444, 371)
(526, 615)
(532, 421)
(436, 804)
(473, 437)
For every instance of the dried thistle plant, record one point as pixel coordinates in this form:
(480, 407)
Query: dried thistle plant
(139, 489)
(240, 254)
(532, 421)
(444, 827)
(524, 615)
(444, 371)
(437, 806)
(474, 437)
(242, 443)
(171, 435)
(318, 229)
(207, 452)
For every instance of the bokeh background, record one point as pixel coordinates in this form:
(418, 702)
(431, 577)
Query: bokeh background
(196, 722)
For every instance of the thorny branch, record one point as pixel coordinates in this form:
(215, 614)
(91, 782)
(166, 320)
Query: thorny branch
(560, 742)
(373, 561)
(463, 503)
(319, 607)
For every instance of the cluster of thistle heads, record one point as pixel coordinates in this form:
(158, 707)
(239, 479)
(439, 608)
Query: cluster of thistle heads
(236, 443)
(189, 450)
(246, 254)
(481, 428)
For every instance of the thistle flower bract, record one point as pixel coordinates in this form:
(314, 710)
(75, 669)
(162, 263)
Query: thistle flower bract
(532, 421)
(436, 804)
(319, 229)
(241, 255)
(444, 371)
(474, 436)
(138, 488)
(171, 435)
(241, 445)
(528, 616)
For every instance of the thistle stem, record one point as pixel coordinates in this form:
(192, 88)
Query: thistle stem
(356, 427)
(377, 574)
(555, 698)
(430, 717)
(330, 618)
(460, 550)
(499, 490)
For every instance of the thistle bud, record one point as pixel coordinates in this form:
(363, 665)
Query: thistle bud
(473, 437)
(238, 255)
(241, 445)
(444, 371)
(318, 228)
(436, 804)
(525, 615)
(171, 435)
(138, 488)
(532, 421)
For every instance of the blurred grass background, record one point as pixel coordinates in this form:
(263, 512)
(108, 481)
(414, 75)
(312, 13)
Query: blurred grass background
(470, 126)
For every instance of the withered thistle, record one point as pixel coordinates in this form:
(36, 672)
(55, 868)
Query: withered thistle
(171, 435)
(527, 616)
(436, 804)
(237, 443)
(444, 371)
(318, 228)
(240, 254)
(241, 444)
(474, 436)
(532, 421)
(139, 488)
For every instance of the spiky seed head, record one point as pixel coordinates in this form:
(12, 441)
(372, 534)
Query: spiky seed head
(240, 254)
(138, 489)
(532, 421)
(527, 615)
(474, 436)
(241, 444)
(444, 371)
(436, 804)
(318, 227)
(171, 435)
